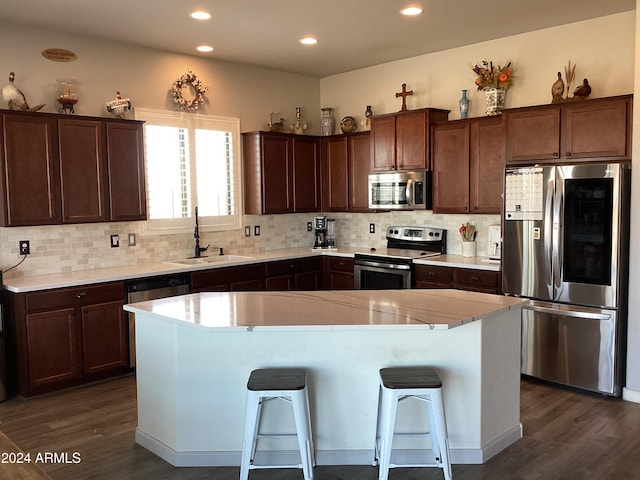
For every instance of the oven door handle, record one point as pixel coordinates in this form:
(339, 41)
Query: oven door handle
(367, 263)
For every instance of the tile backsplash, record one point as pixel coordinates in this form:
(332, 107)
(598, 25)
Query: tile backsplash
(66, 248)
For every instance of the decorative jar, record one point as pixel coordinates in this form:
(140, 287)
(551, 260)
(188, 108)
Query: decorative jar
(66, 95)
(326, 122)
(469, 249)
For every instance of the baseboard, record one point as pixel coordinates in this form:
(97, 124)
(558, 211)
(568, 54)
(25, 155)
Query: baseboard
(631, 395)
(323, 457)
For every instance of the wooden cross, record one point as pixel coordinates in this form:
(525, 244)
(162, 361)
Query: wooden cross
(404, 94)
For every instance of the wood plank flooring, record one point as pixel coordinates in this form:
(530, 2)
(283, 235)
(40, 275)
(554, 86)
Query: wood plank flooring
(568, 435)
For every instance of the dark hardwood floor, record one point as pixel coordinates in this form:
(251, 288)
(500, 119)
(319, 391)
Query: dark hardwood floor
(567, 435)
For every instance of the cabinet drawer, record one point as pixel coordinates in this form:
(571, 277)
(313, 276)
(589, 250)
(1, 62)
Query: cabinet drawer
(431, 274)
(226, 276)
(340, 264)
(69, 297)
(481, 278)
(295, 265)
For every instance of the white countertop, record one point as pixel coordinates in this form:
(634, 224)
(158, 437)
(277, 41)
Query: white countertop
(23, 284)
(327, 310)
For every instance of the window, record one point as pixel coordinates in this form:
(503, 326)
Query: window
(192, 161)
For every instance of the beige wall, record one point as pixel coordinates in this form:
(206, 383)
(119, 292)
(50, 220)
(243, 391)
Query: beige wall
(602, 49)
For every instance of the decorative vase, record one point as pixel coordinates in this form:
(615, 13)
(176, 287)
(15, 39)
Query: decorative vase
(464, 104)
(495, 100)
(326, 122)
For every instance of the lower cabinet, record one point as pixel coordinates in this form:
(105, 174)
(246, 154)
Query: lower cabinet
(229, 279)
(64, 337)
(294, 274)
(432, 276)
(338, 273)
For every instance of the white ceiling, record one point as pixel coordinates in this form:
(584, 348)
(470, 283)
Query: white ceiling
(352, 33)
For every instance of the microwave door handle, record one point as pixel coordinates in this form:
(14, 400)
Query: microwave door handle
(409, 192)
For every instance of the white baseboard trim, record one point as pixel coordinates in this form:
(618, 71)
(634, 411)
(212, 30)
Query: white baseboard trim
(631, 395)
(323, 457)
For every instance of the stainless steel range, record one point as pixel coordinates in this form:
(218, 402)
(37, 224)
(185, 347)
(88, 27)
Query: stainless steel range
(392, 267)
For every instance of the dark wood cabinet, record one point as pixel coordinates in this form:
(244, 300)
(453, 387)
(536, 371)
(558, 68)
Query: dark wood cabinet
(598, 129)
(64, 337)
(400, 141)
(125, 171)
(294, 274)
(282, 173)
(62, 169)
(229, 279)
(468, 164)
(30, 179)
(436, 276)
(338, 273)
(345, 168)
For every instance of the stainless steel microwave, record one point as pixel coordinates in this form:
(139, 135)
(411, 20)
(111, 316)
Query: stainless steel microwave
(400, 190)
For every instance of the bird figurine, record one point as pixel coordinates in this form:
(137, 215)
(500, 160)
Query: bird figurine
(15, 98)
(557, 89)
(584, 90)
(120, 106)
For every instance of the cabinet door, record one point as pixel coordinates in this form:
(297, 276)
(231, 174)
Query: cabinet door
(597, 129)
(82, 170)
(104, 337)
(451, 167)
(336, 181)
(486, 159)
(533, 135)
(52, 344)
(338, 273)
(277, 174)
(125, 170)
(30, 171)
(306, 174)
(411, 141)
(476, 280)
(383, 142)
(359, 153)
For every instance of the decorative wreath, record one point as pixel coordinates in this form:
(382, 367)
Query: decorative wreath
(188, 78)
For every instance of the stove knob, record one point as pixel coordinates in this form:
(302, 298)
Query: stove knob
(431, 234)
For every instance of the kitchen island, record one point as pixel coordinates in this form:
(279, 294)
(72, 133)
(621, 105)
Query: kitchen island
(195, 353)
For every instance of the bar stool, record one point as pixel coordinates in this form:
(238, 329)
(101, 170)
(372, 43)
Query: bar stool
(287, 384)
(400, 383)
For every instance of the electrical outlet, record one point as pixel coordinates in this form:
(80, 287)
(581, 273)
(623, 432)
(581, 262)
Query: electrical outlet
(24, 247)
(115, 241)
(372, 228)
(256, 230)
(309, 227)
(247, 231)
(132, 239)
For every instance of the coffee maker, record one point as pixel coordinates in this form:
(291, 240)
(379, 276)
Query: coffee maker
(320, 229)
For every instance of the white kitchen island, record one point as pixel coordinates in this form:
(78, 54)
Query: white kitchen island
(195, 353)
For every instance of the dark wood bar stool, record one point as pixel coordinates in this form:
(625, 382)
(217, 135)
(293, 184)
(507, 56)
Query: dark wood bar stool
(289, 384)
(400, 383)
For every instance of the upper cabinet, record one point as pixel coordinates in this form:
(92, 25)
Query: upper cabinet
(598, 129)
(67, 169)
(468, 164)
(400, 141)
(281, 172)
(345, 168)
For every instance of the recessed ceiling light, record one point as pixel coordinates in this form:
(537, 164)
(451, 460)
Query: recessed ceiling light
(204, 48)
(308, 41)
(411, 10)
(200, 15)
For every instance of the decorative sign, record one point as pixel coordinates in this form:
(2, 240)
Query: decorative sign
(59, 55)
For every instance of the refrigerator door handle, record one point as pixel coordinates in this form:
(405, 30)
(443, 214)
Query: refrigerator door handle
(558, 235)
(568, 313)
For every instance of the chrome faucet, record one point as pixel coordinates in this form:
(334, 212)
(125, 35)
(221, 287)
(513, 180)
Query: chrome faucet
(196, 234)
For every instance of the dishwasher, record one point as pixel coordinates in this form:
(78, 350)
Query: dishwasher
(152, 288)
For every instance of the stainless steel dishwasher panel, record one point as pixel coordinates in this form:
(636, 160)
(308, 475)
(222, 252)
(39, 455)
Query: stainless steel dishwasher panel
(152, 288)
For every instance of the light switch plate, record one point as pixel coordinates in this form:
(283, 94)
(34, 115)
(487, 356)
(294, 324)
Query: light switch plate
(247, 231)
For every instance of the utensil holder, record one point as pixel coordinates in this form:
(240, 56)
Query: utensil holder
(469, 249)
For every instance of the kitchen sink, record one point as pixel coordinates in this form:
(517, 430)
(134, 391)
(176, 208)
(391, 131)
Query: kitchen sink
(206, 260)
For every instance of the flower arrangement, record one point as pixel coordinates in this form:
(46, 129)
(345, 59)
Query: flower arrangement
(491, 76)
(186, 80)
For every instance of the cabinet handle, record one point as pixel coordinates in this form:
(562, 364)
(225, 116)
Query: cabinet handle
(568, 154)
(293, 265)
(555, 154)
(474, 278)
(80, 295)
(433, 274)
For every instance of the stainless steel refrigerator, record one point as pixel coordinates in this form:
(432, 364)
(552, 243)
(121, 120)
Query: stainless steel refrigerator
(565, 246)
